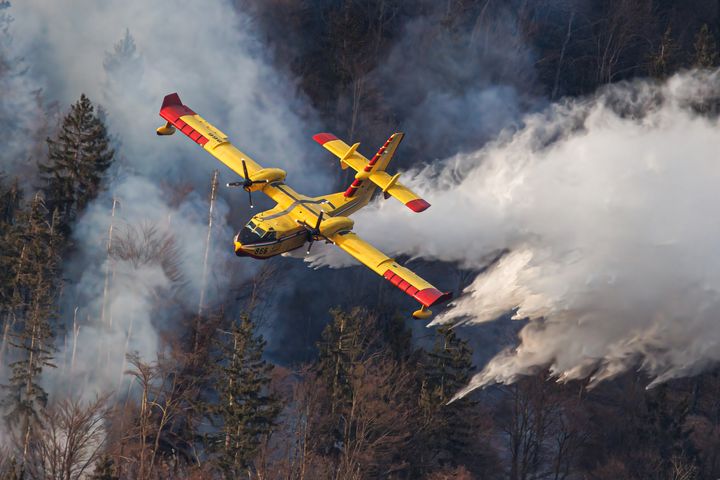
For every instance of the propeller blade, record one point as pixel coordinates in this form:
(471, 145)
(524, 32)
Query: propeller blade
(309, 247)
(245, 172)
(317, 225)
(250, 198)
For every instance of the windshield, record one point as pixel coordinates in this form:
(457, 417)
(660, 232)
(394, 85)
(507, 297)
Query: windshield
(252, 233)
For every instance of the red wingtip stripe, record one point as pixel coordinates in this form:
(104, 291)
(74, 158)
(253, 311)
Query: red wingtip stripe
(432, 296)
(171, 99)
(428, 297)
(418, 205)
(172, 109)
(323, 138)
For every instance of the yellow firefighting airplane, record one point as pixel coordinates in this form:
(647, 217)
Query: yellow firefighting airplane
(297, 219)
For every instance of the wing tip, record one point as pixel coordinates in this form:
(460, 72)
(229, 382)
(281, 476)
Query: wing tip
(418, 205)
(323, 138)
(432, 296)
(171, 99)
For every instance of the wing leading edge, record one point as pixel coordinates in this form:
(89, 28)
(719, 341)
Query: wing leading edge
(402, 277)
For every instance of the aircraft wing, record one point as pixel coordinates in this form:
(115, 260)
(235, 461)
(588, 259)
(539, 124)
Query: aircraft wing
(204, 134)
(403, 278)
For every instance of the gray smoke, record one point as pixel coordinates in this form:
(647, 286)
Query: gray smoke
(605, 206)
(127, 56)
(22, 118)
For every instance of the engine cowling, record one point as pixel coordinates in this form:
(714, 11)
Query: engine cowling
(269, 175)
(333, 225)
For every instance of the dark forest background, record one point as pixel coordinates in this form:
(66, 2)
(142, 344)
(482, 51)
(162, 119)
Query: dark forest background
(357, 391)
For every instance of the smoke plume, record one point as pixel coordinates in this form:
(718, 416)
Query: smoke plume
(604, 208)
(126, 56)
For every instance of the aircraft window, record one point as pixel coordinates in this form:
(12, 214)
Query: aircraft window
(271, 235)
(248, 235)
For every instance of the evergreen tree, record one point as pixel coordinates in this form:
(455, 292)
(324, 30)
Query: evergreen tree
(706, 53)
(77, 159)
(662, 62)
(342, 344)
(32, 337)
(10, 198)
(245, 411)
(123, 69)
(448, 427)
(124, 57)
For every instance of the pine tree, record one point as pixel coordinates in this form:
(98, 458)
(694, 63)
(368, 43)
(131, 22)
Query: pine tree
(245, 411)
(123, 69)
(342, 344)
(10, 198)
(77, 159)
(11, 259)
(706, 53)
(662, 62)
(123, 58)
(32, 338)
(448, 427)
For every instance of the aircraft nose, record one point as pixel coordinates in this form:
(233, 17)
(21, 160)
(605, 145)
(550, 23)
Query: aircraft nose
(238, 246)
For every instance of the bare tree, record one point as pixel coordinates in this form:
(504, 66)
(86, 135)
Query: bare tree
(71, 440)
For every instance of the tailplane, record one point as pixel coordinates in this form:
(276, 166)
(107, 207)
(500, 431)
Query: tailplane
(371, 173)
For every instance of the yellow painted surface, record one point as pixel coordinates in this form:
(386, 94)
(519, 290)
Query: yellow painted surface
(287, 219)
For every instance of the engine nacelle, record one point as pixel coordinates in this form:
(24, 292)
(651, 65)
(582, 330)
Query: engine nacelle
(268, 175)
(333, 225)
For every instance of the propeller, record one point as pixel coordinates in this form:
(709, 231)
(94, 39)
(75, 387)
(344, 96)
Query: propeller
(247, 183)
(313, 232)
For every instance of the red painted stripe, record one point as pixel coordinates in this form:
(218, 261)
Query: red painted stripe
(349, 192)
(323, 138)
(418, 205)
(403, 285)
(427, 297)
(172, 109)
(432, 296)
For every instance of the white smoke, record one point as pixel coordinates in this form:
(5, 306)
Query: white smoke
(210, 55)
(21, 115)
(605, 206)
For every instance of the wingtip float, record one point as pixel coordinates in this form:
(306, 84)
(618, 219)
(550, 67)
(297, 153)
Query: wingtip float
(297, 219)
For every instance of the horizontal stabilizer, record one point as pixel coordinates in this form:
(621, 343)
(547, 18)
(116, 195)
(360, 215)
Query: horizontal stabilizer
(373, 169)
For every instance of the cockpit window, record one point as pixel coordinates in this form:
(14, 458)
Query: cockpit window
(270, 235)
(252, 233)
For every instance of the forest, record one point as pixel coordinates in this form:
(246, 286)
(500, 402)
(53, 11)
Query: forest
(134, 345)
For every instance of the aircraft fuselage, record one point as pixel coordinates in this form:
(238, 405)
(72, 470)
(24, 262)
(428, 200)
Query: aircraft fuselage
(276, 231)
